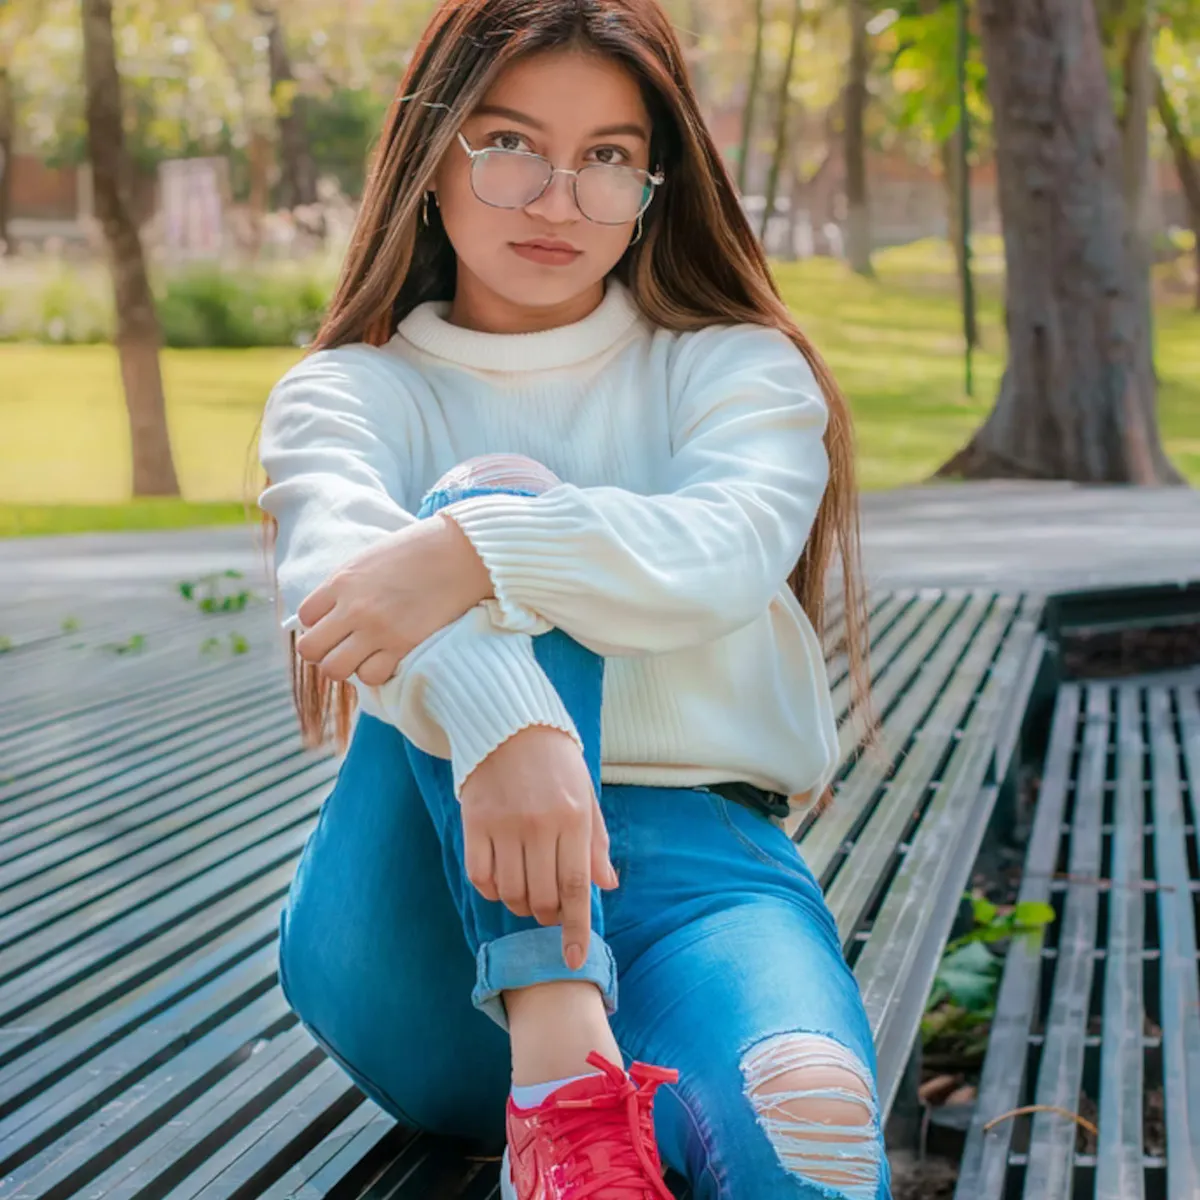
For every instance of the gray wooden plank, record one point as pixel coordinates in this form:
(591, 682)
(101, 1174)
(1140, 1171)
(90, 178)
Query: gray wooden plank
(69, 849)
(924, 657)
(861, 876)
(1050, 1170)
(158, 856)
(1120, 1174)
(1178, 985)
(983, 1172)
(900, 958)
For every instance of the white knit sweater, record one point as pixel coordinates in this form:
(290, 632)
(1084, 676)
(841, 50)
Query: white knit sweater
(693, 466)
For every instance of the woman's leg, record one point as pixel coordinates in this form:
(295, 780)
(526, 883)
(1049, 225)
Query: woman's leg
(555, 1016)
(372, 956)
(732, 972)
(372, 950)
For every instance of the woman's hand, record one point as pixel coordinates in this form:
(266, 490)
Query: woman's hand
(385, 602)
(534, 836)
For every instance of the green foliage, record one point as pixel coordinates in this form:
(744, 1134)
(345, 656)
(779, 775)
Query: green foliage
(71, 625)
(208, 306)
(6, 645)
(134, 645)
(212, 600)
(212, 647)
(963, 998)
(342, 128)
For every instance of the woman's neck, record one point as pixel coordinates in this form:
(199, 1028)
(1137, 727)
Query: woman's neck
(479, 308)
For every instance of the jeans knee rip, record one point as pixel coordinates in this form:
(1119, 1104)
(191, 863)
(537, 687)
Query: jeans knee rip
(816, 1102)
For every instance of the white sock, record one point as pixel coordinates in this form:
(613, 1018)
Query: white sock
(530, 1095)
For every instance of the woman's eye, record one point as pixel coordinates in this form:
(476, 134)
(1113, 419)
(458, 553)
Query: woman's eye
(611, 155)
(508, 141)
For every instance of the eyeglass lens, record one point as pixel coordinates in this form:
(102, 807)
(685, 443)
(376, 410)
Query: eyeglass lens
(607, 194)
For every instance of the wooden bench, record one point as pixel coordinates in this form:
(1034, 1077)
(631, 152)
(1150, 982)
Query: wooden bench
(153, 805)
(1102, 1018)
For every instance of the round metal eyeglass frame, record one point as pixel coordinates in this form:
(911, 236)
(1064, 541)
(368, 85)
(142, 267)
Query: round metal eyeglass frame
(654, 179)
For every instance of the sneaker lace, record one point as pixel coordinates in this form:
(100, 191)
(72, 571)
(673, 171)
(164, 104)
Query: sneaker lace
(608, 1149)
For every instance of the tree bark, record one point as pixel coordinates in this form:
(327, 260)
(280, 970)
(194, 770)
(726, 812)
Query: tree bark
(1186, 167)
(138, 335)
(858, 217)
(1138, 71)
(751, 95)
(298, 182)
(1077, 401)
(7, 121)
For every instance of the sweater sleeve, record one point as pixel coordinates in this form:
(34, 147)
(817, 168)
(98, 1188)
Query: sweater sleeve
(334, 474)
(624, 573)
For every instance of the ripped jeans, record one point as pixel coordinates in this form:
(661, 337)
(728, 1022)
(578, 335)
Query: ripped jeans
(716, 955)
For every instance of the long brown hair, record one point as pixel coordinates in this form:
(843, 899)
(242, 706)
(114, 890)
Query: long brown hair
(696, 264)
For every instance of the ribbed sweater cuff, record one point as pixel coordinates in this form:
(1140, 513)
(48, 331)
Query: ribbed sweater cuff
(525, 543)
(481, 699)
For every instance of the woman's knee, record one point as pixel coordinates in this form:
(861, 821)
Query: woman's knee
(516, 471)
(815, 1099)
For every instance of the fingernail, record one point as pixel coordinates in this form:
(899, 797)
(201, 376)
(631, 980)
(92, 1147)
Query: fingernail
(574, 956)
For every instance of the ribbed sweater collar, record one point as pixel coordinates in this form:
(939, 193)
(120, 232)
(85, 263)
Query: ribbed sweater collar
(426, 328)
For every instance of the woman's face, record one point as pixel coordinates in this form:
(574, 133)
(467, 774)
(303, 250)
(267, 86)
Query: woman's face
(574, 109)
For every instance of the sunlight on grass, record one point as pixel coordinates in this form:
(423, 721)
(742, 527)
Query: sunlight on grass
(894, 343)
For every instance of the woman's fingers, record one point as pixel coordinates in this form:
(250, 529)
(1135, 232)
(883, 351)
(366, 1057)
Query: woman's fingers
(603, 872)
(575, 892)
(479, 860)
(346, 657)
(378, 668)
(510, 874)
(541, 877)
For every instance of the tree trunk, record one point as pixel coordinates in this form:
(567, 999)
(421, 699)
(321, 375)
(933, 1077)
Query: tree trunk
(138, 335)
(751, 95)
(7, 122)
(298, 182)
(858, 217)
(1135, 159)
(782, 111)
(1186, 167)
(951, 178)
(1077, 400)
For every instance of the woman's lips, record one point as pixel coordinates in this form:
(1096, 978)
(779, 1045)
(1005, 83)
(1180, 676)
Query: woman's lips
(545, 255)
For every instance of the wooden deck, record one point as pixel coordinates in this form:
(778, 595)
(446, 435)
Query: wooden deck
(154, 800)
(1103, 1018)
(154, 803)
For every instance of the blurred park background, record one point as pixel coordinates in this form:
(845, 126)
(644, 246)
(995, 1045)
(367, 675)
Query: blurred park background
(214, 153)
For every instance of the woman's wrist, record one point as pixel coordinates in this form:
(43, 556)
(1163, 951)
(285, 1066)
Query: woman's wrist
(466, 567)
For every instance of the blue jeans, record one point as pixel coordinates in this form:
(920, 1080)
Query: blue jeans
(718, 939)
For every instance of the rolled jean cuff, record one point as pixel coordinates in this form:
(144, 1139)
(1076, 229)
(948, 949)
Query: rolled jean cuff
(532, 956)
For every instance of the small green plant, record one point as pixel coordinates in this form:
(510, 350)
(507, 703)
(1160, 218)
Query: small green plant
(208, 597)
(213, 646)
(135, 645)
(70, 625)
(6, 644)
(962, 1001)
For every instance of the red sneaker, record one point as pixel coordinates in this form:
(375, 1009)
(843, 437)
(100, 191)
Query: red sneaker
(588, 1140)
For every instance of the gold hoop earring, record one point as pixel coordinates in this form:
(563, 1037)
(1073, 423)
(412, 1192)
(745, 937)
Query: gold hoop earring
(425, 210)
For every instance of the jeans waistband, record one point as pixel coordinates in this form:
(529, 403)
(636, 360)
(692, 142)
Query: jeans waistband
(774, 804)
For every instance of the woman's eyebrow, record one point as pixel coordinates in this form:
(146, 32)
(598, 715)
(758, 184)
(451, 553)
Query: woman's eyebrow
(499, 110)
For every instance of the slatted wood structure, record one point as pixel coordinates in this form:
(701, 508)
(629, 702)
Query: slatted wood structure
(1102, 1017)
(153, 805)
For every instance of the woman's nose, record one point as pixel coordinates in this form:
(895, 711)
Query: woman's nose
(557, 202)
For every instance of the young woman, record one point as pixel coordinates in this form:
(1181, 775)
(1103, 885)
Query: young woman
(554, 500)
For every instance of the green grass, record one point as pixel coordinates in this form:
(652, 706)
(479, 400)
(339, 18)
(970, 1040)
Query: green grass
(893, 342)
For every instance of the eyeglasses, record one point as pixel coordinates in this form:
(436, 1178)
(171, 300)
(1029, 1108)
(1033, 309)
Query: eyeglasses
(606, 193)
